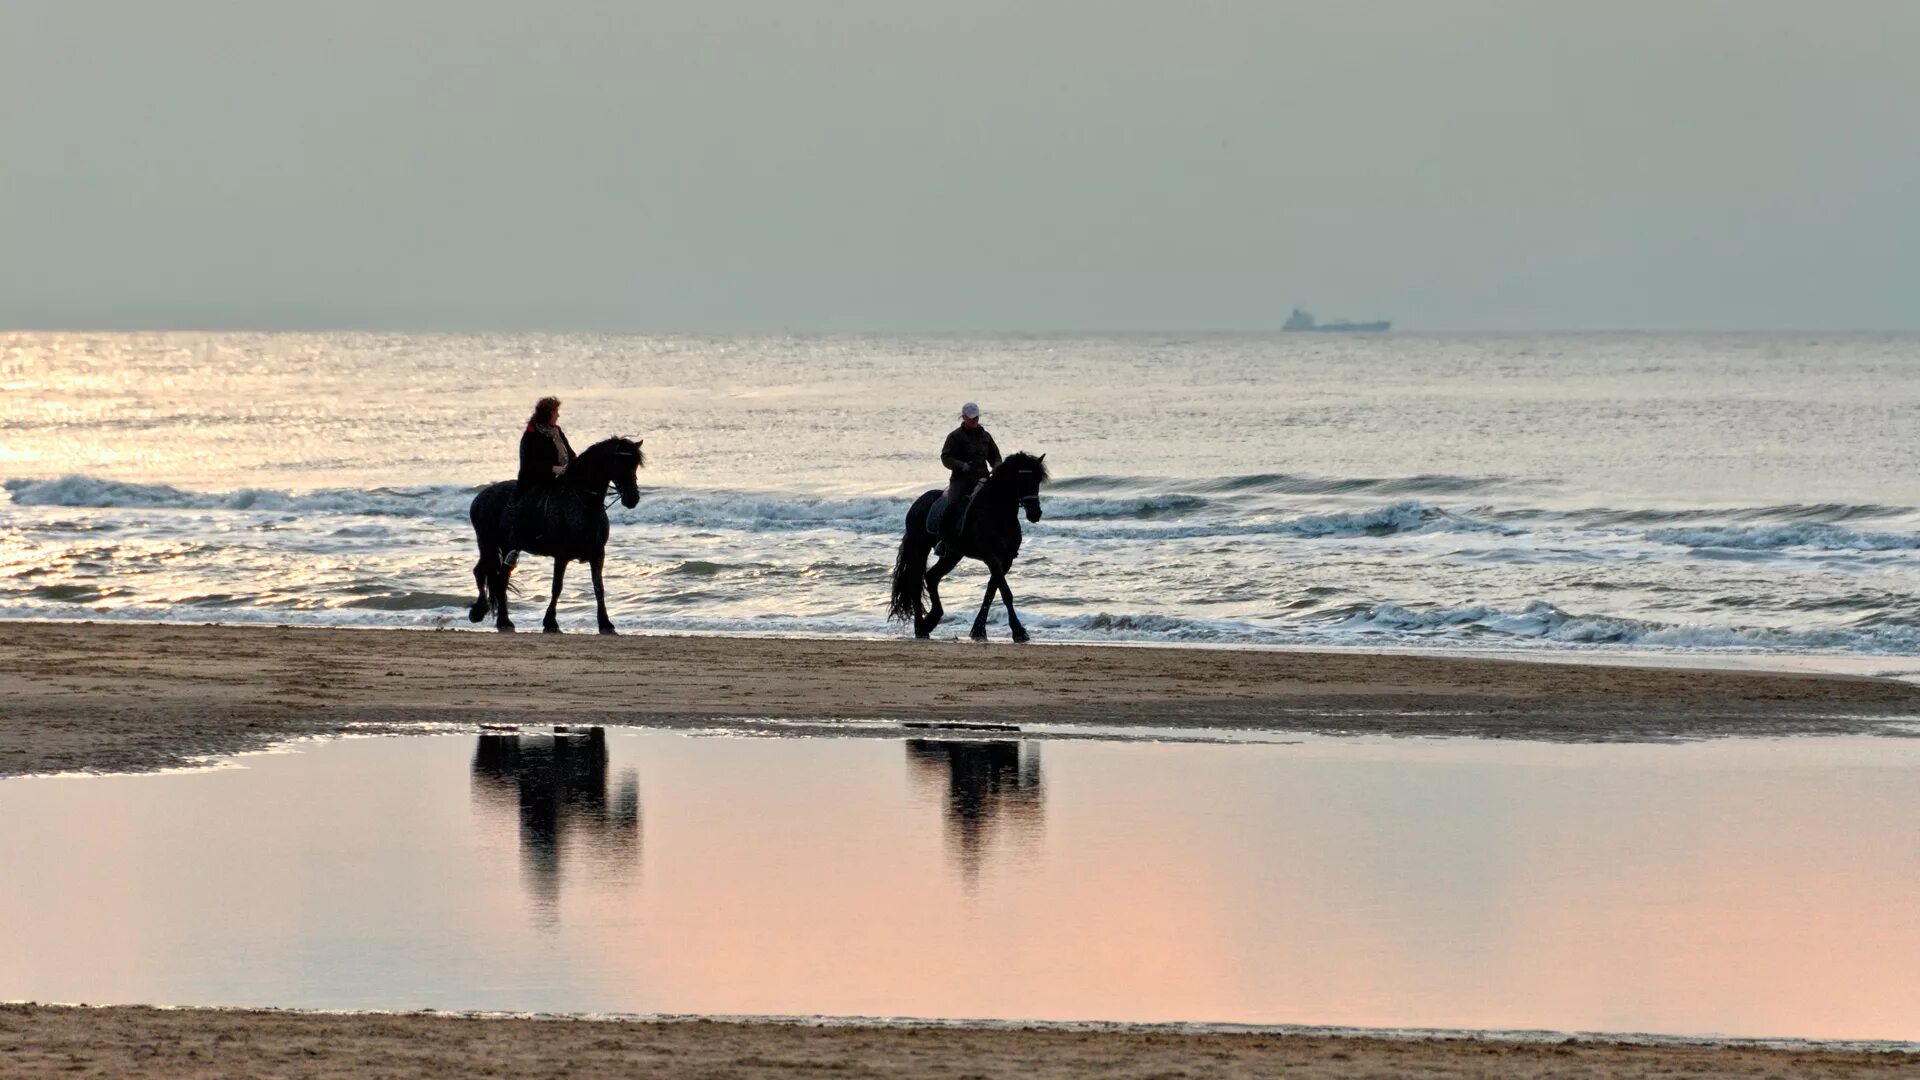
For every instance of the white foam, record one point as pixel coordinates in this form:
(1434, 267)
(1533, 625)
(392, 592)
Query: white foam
(1774, 537)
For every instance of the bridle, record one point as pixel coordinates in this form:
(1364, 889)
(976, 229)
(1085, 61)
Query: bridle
(1034, 498)
(613, 496)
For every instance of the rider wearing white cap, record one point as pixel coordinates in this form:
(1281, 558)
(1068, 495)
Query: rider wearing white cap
(969, 453)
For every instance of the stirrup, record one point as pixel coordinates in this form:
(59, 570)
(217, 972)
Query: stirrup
(511, 558)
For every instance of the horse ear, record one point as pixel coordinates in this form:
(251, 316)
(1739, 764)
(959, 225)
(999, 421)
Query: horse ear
(1043, 457)
(639, 442)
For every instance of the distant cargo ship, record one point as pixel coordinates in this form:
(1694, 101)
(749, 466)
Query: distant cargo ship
(1301, 320)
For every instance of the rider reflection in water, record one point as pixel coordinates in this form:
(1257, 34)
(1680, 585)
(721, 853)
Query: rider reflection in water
(558, 788)
(987, 784)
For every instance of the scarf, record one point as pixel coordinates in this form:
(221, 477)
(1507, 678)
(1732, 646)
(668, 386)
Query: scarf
(552, 431)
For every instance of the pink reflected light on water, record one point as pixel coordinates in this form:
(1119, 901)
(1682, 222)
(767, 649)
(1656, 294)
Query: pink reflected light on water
(1755, 888)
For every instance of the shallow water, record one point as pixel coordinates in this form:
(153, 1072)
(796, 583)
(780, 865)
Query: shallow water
(1757, 888)
(1560, 492)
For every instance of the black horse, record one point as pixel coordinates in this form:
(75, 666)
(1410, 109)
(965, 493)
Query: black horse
(990, 532)
(569, 522)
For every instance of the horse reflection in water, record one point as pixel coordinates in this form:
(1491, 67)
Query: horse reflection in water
(988, 786)
(558, 787)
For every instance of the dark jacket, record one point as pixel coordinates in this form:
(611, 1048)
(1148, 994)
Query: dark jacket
(969, 447)
(538, 456)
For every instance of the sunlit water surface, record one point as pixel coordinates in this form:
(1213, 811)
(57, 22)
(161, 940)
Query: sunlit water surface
(1748, 888)
(1573, 492)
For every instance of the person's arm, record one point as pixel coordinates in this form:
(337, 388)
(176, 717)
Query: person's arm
(993, 453)
(953, 453)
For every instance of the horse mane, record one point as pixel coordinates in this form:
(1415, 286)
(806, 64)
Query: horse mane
(1012, 463)
(615, 444)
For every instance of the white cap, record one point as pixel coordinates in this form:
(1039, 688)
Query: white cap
(970, 411)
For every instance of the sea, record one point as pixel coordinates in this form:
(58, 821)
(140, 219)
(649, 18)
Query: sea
(1534, 494)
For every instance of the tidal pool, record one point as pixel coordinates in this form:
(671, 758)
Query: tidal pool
(1737, 887)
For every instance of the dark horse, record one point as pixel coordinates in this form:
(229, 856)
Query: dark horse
(570, 523)
(990, 533)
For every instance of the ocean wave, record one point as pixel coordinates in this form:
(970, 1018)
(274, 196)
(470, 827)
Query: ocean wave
(719, 508)
(1401, 518)
(1291, 484)
(1538, 624)
(411, 600)
(1784, 513)
(91, 491)
(1535, 625)
(1817, 535)
(1540, 621)
(1147, 506)
(1167, 515)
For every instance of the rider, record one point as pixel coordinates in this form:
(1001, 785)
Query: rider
(544, 457)
(970, 454)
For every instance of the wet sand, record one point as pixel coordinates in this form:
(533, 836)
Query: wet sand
(119, 697)
(41, 1041)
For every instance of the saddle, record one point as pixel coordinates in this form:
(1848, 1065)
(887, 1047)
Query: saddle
(945, 523)
(526, 519)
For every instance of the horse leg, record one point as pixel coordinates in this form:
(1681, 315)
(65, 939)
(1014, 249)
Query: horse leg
(600, 592)
(986, 603)
(480, 571)
(924, 627)
(497, 585)
(1013, 621)
(551, 624)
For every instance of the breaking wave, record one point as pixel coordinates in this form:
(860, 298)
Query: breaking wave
(1479, 625)
(89, 491)
(1818, 535)
(1541, 621)
(1148, 516)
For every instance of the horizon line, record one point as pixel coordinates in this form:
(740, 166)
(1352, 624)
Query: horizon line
(1006, 332)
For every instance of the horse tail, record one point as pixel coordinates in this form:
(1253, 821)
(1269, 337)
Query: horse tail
(909, 578)
(910, 565)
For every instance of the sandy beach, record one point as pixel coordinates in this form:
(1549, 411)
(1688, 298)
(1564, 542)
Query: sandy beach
(44, 1041)
(118, 697)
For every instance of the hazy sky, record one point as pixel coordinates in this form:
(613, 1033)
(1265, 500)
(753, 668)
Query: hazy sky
(959, 165)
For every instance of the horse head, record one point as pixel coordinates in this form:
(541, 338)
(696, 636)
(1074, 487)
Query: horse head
(617, 461)
(1025, 473)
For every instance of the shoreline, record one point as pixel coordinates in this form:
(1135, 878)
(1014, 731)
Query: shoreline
(142, 1041)
(1873, 665)
(133, 697)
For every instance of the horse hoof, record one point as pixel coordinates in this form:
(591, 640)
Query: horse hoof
(1020, 637)
(979, 633)
(550, 629)
(609, 630)
(505, 627)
